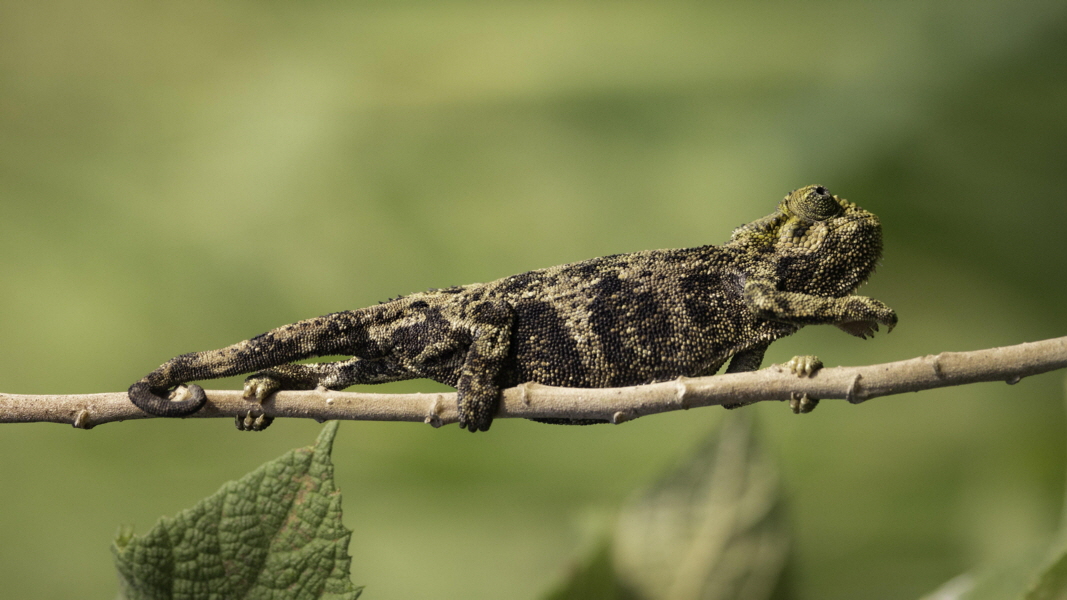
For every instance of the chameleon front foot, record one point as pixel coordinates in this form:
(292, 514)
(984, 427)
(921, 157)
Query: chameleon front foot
(475, 424)
(250, 423)
(803, 366)
(873, 313)
(476, 414)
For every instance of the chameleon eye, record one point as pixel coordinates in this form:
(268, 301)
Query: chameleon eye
(814, 203)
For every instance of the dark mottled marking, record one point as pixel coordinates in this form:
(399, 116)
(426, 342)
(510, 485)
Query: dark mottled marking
(548, 351)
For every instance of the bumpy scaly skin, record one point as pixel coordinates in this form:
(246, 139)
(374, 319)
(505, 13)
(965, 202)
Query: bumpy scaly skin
(618, 320)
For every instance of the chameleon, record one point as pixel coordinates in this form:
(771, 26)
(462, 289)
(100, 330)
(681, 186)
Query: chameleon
(613, 321)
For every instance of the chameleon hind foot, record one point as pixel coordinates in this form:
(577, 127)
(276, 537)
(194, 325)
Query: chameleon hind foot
(250, 423)
(259, 386)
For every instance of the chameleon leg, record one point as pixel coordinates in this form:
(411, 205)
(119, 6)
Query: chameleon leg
(744, 361)
(801, 366)
(747, 360)
(477, 389)
(332, 375)
(855, 315)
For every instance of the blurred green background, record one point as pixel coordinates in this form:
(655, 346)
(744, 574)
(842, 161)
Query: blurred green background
(178, 176)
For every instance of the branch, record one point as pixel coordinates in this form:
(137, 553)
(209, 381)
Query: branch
(531, 400)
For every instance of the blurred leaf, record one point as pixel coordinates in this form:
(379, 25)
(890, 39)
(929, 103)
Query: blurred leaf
(1005, 582)
(711, 530)
(956, 589)
(275, 533)
(1051, 584)
(1015, 580)
(593, 580)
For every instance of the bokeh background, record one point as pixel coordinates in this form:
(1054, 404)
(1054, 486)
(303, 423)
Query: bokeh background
(178, 176)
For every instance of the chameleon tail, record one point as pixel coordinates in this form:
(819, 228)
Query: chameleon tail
(329, 334)
(144, 398)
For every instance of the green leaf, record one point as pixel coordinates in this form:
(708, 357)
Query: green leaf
(712, 530)
(275, 533)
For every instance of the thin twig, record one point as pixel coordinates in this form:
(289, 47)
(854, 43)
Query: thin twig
(531, 400)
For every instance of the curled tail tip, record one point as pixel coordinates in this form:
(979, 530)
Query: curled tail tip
(148, 400)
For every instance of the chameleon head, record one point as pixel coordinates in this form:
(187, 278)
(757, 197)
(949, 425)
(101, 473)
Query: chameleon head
(828, 245)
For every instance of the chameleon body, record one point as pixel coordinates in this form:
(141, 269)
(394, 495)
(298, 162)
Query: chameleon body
(612, 321)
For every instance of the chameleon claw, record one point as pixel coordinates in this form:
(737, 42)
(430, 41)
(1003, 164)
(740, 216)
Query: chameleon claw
(802, 403)
(259, 387)
(804, 366)
(473, 426)
(250, 423)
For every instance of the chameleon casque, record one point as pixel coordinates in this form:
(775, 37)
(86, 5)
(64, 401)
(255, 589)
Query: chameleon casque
(612, 321)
